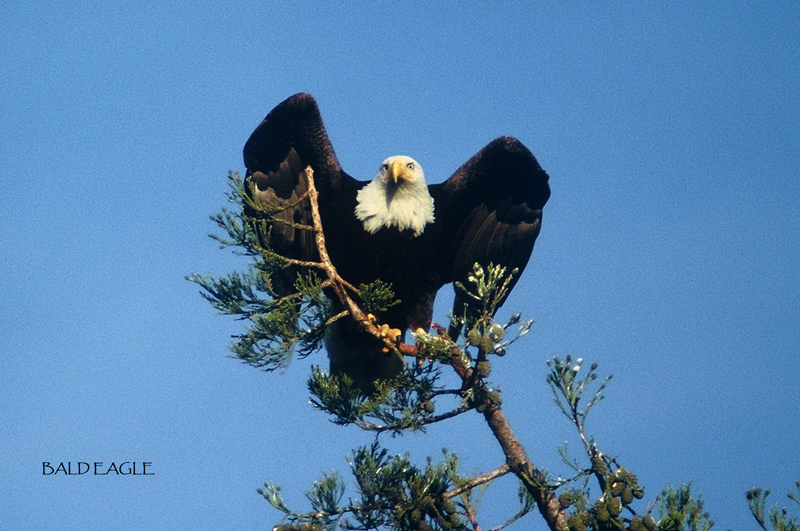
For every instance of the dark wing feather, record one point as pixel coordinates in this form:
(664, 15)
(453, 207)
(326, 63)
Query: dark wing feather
(490, 211)
(291, 137)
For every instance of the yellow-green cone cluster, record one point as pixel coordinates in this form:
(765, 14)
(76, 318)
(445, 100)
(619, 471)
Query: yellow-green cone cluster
(622, 488)
(646, 523)
(486, 336)
(445, 514)
(625, 486)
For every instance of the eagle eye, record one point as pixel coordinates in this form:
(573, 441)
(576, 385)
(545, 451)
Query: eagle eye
(410, 165)
(384, 167)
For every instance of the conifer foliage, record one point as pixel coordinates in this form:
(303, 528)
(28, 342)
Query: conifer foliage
(447, 374)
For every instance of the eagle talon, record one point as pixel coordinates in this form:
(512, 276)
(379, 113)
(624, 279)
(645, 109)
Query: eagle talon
(392, 334)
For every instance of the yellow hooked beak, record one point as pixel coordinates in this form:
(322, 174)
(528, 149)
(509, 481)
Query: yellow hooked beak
(397, 171)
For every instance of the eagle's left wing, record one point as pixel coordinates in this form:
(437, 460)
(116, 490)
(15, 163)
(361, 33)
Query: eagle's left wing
(490, 211)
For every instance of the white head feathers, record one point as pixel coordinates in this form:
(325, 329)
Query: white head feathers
(398, 196)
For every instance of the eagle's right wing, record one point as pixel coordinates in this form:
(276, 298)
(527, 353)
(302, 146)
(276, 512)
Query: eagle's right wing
(291, 137)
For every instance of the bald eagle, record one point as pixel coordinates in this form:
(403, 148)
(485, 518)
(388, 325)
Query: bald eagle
(396, 227)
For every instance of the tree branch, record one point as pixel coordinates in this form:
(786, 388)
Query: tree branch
(516, 458)
(339, 283)
(524, 469)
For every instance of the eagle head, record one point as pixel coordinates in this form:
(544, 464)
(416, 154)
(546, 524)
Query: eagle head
(400, 168)
(397, 197)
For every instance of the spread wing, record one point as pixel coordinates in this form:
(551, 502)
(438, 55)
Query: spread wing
(490, 211)
(291, 137)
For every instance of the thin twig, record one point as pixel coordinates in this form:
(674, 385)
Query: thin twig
(279, 205)
(336, 317)
(591, 451)
(478, 480)
(440, 392)
(292, 224)
(445, 416)
(473, 518)
(371, 426)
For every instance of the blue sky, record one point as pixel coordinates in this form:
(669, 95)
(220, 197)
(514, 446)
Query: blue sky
(669, 250)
